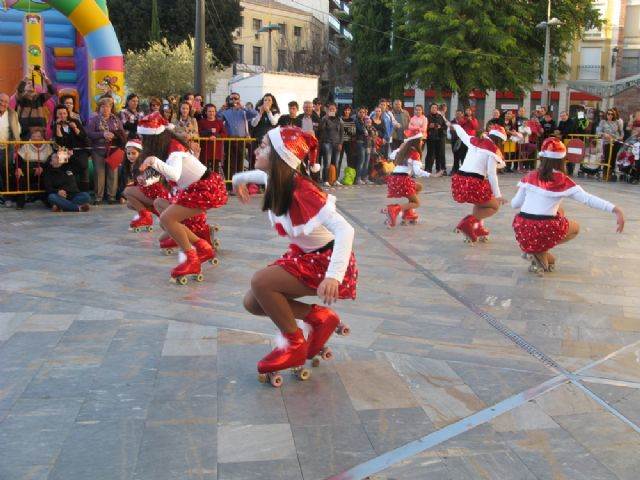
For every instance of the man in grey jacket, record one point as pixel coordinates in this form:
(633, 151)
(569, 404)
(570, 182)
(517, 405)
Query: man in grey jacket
(9, 131)
(402, 119)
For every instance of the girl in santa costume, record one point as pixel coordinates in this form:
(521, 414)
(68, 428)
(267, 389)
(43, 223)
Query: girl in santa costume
(541, 224)
(400, 184)
(319, 261)
(147, 187)
(198, 189)
(476, 181)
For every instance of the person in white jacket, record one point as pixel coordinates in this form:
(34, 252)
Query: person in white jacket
(319, 262)
(541, 224)
(400, 183)
(476, 181)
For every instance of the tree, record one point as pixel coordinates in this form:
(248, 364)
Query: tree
(164, 69)
(132, 21)
(371, 50)
(487, 44)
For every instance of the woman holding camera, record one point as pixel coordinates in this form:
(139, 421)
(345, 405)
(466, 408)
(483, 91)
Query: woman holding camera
(69, 134)
(30, 103)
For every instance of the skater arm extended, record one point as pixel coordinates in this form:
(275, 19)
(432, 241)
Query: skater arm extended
(594, 201)
(492, 176)
(416, 169)
(342, 245)
(518, 200)
(239, 182)
(462, 135)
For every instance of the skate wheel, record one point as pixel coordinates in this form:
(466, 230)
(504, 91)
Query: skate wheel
(525, 256)
(483, 239)
(214, 261)
(275, 380)
(216, 228)
(456, 230)
(199, 277)
(343, 330)
(263, 378)
(403, 223)
(383, 210)
(533, 268)
(315, 362)
(136, 229)
(182, 280)
(552, 267)
(216, 244)
(167, 251)
(303, 374)
(149, 229)
(327, 354)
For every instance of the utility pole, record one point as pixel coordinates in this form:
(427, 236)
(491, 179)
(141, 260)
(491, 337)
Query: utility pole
(200, 58)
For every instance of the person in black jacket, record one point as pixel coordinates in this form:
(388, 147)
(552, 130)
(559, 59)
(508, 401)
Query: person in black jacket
(291, 120)
(60, 184)
(69, 133)
(436, 129)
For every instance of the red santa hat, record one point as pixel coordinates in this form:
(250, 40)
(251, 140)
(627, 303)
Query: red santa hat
(152, 124)
(293, 144)
(552, 147)
(412, 134)
(134, 143)
(498, 131)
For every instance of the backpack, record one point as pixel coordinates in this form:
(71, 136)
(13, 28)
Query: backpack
(349, 176)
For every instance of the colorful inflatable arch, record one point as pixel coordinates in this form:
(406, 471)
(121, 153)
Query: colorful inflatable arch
(73, 40)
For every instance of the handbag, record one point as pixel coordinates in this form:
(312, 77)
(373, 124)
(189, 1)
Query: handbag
(114, 157)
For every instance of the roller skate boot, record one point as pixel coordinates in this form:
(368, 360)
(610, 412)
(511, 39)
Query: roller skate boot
(539, 263)
(467, 227)
(142, 221)
(292, 353)
(324, 322)
(409, 217)
(392, 212)
(206, 253)
(208, 234)
(482, 233)
(190, 267)
(168, 246)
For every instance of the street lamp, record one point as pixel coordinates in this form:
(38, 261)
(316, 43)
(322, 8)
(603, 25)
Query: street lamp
(269, 28)
(551, 22)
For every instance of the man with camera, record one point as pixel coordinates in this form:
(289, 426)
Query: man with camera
(60, 184)
(236, 121)
(30, 103)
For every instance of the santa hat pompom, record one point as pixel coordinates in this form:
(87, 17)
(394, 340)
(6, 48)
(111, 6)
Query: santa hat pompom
(315, 168)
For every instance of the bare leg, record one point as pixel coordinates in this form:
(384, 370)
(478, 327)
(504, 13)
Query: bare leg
(413, 200)
(170, 220)
(574, 229)
(161, 204)
(486, 209)
(136, 200)
(272, 292)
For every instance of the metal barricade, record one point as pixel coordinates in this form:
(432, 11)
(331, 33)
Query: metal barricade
(594, 152)
(515, 153)
(30, 165)
(227, 155)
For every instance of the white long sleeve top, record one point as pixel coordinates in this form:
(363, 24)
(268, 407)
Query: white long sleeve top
(273, 118)
(483, 158)
(311, 233)
(181, 167)
(538, 197)
(413, 167)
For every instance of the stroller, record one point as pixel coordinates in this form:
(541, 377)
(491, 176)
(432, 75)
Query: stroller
(627, 161)
(594, 154)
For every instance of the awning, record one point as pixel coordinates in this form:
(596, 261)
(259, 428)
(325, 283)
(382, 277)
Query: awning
(605, 89)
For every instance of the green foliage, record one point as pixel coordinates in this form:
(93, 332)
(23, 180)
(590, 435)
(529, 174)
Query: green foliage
(132, 20)
(154, 33)
(165, 69)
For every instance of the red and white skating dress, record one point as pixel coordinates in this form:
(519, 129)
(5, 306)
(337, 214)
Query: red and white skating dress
(198, 187)
(152, 186)
(477, 181)
(538, 226)
(399, 182)
(321, 239)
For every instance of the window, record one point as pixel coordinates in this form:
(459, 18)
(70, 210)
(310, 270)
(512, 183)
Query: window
(239, 52)
(283, 29)
(241, 21)
(257, 24)
(297, 31)
(590, 63)
(631, 63)
(282, 60)
(257, 55)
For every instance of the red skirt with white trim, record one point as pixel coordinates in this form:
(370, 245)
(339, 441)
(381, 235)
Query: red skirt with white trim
(203, 194)
(399, 186)
(539, 235)
(197, 224)
(466, 189)
(310, 269)
(157, 190)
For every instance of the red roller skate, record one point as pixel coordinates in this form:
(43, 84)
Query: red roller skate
(206, 253)
(392, 212)
(482, 233)
(190, 267)
(142, 221)
(291, 354)
(324, 322)
(467, 227)
(409, 217)
(168, 246)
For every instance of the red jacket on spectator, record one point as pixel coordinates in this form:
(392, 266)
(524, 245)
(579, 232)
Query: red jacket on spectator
(469, 125)
(208, 129)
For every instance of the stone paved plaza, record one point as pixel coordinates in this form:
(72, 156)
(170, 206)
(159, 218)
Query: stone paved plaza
(461, 364)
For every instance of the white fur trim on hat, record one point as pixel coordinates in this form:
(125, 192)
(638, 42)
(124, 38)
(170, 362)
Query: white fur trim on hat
(549, 154)
(498, 134)
(414, 137)
(151, 131)
(134, 144)
(278, 144)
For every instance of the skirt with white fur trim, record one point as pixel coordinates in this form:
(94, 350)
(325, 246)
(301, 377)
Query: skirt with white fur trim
(310, 268)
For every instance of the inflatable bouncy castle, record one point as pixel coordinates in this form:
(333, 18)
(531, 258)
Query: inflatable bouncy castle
(72, 40)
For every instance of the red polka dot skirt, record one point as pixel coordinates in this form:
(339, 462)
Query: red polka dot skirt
(197, 224)
(470, 189)
(157, 190)
(310, 269)
(399, 186)
(539, 235)
(203, 194)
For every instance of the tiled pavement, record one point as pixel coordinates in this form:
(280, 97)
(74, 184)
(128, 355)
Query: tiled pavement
(461, 364)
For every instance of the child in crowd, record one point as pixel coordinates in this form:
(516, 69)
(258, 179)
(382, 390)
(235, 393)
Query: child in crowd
(31, 159)
(319, 262)
(198, 189)
(59, 182)
(400, 184)
(142, 187)
(477, 182)
(541, 224)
